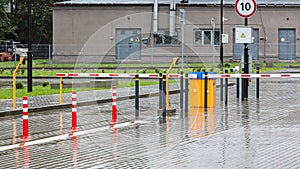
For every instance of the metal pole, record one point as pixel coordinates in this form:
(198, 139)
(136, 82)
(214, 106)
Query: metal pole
(137, 94)
(226, 88)
(205, 90)
(186, 94)
(164, 97)
(257, 83)
(181, 90)
(246, 63)
(160, 86)
(221, 31)
(182, 45)
(29, 64)
(221, 50)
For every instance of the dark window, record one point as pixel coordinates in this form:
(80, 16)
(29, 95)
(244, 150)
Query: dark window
(206, 37)
(163, 39)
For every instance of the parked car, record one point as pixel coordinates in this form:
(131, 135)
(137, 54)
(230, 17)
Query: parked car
(16, 48)
(6, 56)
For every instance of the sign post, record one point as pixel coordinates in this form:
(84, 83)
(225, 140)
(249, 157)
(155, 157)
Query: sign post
(182, 22)
(245, 9)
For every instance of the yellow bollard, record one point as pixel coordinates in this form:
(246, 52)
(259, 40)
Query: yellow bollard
(15, 82)
(60, 90)
(175, 61)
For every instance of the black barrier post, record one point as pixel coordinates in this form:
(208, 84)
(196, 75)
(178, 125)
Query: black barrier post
(257, 83)
(226, 88)
(243, 86)
(164, 97)
(160, 91)
(205, 90)
(186, 94)
(137, 95)
(221, 88)
(237, 88)
(181, 91)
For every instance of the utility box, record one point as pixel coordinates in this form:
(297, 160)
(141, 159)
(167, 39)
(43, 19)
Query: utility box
(196, 90)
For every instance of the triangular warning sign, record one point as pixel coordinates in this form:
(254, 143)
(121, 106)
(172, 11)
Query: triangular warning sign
(243, 35)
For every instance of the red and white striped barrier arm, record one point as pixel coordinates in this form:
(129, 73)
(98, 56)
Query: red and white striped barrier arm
(224, 76)
(112, 75)
(62, 75)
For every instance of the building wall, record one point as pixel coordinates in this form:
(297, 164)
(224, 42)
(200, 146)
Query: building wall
(88, 34)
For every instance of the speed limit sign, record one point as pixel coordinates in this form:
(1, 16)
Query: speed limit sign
(245, 8)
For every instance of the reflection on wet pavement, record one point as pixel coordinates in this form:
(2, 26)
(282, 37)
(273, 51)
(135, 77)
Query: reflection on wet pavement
(255, 133)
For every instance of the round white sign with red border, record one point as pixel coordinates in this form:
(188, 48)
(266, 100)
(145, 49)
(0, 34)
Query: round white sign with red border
(245, 8)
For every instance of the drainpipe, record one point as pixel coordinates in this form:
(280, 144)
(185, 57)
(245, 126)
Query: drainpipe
(172, 18)
(155, 17)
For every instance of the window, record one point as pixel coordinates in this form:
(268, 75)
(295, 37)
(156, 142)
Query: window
(163, 39)
(206, 37)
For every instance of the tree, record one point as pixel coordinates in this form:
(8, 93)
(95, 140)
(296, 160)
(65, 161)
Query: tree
(41, 20)
(6, 28)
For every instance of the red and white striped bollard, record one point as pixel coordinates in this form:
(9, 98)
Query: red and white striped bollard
(25, 136)
(114, 118)
(74, 112)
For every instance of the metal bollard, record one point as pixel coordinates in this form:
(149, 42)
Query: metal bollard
(237, 88)
(181, 91)
(221, 87)
(205, 90)
(164, 97)
(186, 90)
(257, 83)
(137, 95)
(226, 88)
(160, 86)
(243, 86)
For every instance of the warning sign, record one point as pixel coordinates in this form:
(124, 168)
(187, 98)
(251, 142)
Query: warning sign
(243, 35)
(137, 39)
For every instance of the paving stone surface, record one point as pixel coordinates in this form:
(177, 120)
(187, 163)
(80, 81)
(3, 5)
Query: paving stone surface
(256, 133)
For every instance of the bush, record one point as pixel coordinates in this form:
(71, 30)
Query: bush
(20, 85)
(2, 71)
(227, 65)
(157, 70)
(22, 71)
(45, 84)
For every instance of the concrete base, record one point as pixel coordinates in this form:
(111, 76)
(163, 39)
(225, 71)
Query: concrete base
(170, 112)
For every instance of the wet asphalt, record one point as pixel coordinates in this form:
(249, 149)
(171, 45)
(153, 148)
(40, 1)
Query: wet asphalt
(255, 133)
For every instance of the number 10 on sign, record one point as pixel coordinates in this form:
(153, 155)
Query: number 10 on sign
(245, 8)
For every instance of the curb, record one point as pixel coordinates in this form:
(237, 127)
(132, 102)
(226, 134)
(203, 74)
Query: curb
(83, 103)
